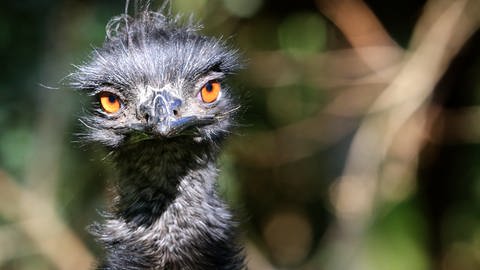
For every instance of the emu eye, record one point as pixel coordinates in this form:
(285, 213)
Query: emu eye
(210, 91)
(110, 102)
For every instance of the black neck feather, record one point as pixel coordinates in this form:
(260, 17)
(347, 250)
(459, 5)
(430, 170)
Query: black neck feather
(167, 214)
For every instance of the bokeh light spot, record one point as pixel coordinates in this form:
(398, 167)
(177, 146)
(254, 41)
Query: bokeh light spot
(302, 34)
(243, 8)
(288, 235)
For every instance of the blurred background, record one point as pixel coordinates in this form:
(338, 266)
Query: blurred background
(359, 147)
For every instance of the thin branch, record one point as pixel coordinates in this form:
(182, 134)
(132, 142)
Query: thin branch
(355, 196)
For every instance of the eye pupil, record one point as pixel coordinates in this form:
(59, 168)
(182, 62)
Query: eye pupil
(209, 87)
(112, 98)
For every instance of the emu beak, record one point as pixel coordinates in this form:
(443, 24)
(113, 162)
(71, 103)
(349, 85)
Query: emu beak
(175, 127)
(161, 116)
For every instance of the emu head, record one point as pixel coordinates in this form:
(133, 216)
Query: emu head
(155, 79)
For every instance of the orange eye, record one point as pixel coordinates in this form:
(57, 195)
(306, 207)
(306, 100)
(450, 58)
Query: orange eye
(110, 102)
(210, 91)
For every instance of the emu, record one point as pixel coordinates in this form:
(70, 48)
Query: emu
(162, 107)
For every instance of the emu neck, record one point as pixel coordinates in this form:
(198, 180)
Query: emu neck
(167, 214)
(154, 175)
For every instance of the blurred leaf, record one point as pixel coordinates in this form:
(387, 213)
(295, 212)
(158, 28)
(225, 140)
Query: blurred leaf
(396, 241)
(302, 34)
(243, 8)
(188, 7)
(14, 147)
(293, 103)
(227, 181)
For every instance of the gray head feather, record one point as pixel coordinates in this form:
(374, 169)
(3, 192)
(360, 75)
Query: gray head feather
(152, 54)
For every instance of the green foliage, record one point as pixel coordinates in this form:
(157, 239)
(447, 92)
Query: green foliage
(302, 34)
(396, 236)
(14, 149)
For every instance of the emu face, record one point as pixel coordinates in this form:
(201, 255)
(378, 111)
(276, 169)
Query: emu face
(155, 80)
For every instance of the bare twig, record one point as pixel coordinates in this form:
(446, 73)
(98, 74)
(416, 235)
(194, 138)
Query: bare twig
(355, 196)
(362, 29)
